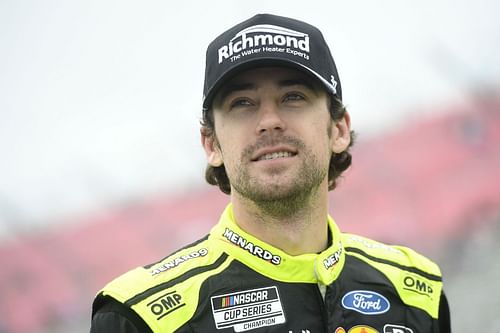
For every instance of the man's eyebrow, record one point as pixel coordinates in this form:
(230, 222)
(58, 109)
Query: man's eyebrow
(234, 87)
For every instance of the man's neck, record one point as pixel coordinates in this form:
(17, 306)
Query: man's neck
(303, 231)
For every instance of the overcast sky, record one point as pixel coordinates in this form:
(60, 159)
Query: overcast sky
(100, 100)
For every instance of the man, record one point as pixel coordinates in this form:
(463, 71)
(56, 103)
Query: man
(276, 136)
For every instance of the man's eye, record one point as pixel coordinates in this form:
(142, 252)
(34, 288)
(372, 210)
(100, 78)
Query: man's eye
(240, 102)
(293, 97)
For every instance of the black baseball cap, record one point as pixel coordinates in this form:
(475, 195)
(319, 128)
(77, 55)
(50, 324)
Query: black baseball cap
(269, 40)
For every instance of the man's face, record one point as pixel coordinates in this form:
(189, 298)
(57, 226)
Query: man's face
(273, 133)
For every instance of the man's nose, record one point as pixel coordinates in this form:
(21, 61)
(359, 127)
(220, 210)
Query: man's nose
(270, 118)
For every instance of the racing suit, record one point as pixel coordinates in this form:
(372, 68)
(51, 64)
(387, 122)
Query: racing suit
(230, 281)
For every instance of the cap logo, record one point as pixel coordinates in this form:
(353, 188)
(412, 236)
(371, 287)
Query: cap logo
(334, 83)
(265, 38)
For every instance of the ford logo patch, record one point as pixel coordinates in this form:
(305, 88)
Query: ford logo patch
(366, 302)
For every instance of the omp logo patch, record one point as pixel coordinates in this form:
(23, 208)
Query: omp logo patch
(179, 260)
(265, 38)
(251, 247)
(389, 328)
(418, 285)
(248, 309)
(166, 304)
(366, 302)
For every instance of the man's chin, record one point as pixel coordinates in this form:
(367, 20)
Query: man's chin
(272, 190)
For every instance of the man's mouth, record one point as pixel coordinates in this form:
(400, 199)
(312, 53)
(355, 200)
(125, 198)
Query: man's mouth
(271, 148)
(275, 155)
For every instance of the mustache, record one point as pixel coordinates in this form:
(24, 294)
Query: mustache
(269, 140)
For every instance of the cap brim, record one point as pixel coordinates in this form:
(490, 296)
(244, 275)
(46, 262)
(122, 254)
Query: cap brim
(262, 62)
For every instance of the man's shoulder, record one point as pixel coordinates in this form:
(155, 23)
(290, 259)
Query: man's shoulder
(416, 278)
(167, 271)
(168, 288)
(401, 257)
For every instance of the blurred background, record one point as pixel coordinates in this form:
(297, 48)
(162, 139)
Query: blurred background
(101, 167)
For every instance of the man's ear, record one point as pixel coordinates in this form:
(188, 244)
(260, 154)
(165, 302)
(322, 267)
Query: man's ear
(341, 134)
(212, 149)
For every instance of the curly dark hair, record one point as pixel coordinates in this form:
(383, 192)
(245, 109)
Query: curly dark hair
(338, 162)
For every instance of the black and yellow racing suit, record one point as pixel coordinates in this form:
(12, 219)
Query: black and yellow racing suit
(230, 281)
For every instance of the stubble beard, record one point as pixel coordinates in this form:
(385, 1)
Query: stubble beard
(281, 198)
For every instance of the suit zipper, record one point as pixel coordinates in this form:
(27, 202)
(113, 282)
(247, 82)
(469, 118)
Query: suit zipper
(322, 305)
